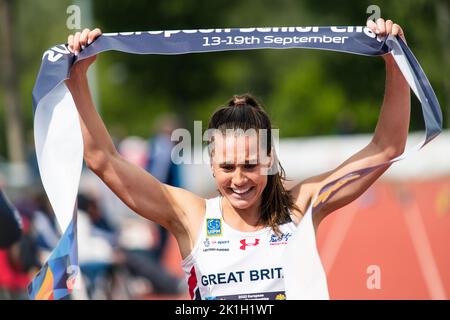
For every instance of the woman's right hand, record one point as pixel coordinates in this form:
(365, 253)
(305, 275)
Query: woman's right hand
(78, 42)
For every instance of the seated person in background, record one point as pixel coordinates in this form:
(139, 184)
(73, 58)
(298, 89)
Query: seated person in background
(10, 223)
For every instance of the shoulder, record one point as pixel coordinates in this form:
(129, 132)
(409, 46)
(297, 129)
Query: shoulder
(190, 217)
(192, 206)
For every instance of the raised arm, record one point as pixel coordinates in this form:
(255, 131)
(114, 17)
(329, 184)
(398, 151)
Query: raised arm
(174, 208)
(388, 141)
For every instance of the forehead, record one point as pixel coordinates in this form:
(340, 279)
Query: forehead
(235, 147)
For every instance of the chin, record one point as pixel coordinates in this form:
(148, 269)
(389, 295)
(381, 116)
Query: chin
(240, 204)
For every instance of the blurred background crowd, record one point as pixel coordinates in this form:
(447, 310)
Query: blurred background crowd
(121, 255)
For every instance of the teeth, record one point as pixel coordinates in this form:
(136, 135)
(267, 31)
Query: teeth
(241, 191)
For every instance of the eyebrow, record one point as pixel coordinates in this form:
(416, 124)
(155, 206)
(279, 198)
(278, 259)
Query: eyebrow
(247, 161)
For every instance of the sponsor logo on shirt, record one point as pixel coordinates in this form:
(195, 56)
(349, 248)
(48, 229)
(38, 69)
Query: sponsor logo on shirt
(216, 245)
(245, 243)
(281, 239)
(213, 227)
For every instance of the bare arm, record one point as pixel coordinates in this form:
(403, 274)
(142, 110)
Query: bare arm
(173, 208)
(388, 141)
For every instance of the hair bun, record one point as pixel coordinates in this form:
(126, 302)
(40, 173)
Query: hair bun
(239, 101)
(244, 100)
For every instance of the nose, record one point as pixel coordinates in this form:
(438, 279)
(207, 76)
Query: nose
(239, 178)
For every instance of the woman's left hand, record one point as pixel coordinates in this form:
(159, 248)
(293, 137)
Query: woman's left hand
(385, 28)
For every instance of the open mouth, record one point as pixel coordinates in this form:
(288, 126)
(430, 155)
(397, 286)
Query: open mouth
(243, 192)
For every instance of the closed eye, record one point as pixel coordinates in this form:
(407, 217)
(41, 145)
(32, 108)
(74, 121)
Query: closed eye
(227, 167)
(250, 166)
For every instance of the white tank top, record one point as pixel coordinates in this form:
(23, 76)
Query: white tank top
(229, 264)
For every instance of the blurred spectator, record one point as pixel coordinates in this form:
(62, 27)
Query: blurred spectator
(134, 149)
(161, 166)
(96, 246)
(10, 223)
(17, 252)
(110, 270)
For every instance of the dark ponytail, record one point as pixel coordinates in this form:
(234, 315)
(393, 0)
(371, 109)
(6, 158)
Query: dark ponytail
(244, 112)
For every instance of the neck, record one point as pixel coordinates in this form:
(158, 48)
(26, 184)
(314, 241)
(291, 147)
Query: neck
(247, 219)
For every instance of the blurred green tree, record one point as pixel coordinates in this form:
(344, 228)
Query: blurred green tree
(307, 92)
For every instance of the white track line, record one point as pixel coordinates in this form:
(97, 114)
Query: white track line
(424, 252)
(336, 236)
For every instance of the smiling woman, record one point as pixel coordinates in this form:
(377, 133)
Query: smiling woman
(238, 166)
(256, 214)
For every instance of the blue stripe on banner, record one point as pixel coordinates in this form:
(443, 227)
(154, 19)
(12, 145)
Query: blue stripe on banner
(432, 114)
(53, 105)
(56, 279)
